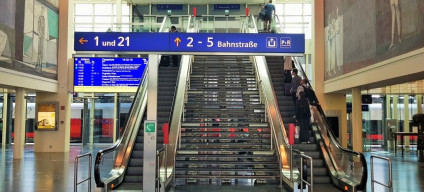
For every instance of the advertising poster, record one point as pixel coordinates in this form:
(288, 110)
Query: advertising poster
(46, 116)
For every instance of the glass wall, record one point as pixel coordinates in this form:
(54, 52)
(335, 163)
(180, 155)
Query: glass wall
(100, 17)
(98, 125)
(384, 115)
(296, 18)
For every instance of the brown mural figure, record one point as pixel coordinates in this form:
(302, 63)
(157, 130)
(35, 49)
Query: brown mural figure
(394, 7)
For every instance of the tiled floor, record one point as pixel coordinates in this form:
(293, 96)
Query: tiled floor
(55, 172)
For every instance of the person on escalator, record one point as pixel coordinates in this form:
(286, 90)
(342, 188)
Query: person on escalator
(288, 67)
(175, 60)
(269, 9)
(294, 84)
(303, 115)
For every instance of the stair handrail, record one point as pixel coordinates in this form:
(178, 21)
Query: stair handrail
(328, 132)
(288, 171)
(127, 139)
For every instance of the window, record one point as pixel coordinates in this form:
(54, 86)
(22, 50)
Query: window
(296, 18)
(100, 17)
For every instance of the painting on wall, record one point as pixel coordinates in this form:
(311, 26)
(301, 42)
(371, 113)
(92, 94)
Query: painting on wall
(360, 33)
(7, 32)
(40, 38)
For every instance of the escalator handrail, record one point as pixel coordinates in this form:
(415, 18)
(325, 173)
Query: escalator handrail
(115, 146)
(331, 134)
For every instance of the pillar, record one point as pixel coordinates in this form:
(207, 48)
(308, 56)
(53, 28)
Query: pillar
(58, 141)
(419, 99)
(406, 119)
(118, 15)
(396, 111)
(5, 119)
(115, 117)
(92, 110)
(331, 102)
(149, 153)
(388, 110)
(19, 126)
(357, 120)
(388, 107)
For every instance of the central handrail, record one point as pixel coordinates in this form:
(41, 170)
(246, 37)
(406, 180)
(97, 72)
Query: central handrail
(177, 110)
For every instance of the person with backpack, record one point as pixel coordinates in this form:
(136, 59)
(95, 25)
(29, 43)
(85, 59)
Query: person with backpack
(269, 8)
(303, 115)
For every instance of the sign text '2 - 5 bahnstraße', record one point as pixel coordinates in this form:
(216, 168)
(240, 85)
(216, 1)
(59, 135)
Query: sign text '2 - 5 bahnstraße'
(190, 42)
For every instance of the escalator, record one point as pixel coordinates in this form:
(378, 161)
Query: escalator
(334, 167)
(131, 175)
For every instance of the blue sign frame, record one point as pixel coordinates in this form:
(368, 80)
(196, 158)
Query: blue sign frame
(169, 6)
(226, 6)
(181, 43)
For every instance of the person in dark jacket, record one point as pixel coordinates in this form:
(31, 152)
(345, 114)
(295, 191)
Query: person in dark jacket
(295, 84)
(303, 116)
(175, 59)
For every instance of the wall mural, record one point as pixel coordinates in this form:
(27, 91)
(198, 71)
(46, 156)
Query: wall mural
(28, 36)
(40, 37)
(359, 33)
(7, 32)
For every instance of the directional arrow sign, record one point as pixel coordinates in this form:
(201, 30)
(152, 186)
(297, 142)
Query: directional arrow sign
(178, 41)
(82, 40)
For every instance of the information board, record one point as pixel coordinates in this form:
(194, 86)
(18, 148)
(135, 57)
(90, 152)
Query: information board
(192, 43)
(108, 74)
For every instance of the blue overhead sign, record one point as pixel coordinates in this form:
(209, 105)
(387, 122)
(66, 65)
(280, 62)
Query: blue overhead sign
(226, 6)
(169, 6)
(244, 43)
(191, 42)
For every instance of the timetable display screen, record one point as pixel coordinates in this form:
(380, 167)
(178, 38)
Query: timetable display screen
(97, 74)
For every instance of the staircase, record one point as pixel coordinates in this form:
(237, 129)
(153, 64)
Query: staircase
(166, 87)
(224, 136)
(322, 179)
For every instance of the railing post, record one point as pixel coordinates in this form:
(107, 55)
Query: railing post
(76, 183)
(389, 184)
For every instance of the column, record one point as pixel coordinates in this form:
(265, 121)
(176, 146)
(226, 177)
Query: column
(19, 126)
(357, 120)
(92, 109)
(58, 141)
(115, 117)
(119, 15)
(388, 110)
(396, 111)
(5, 119)
(419, 99)
(388, 107)
(149, 153)
(406, 119)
